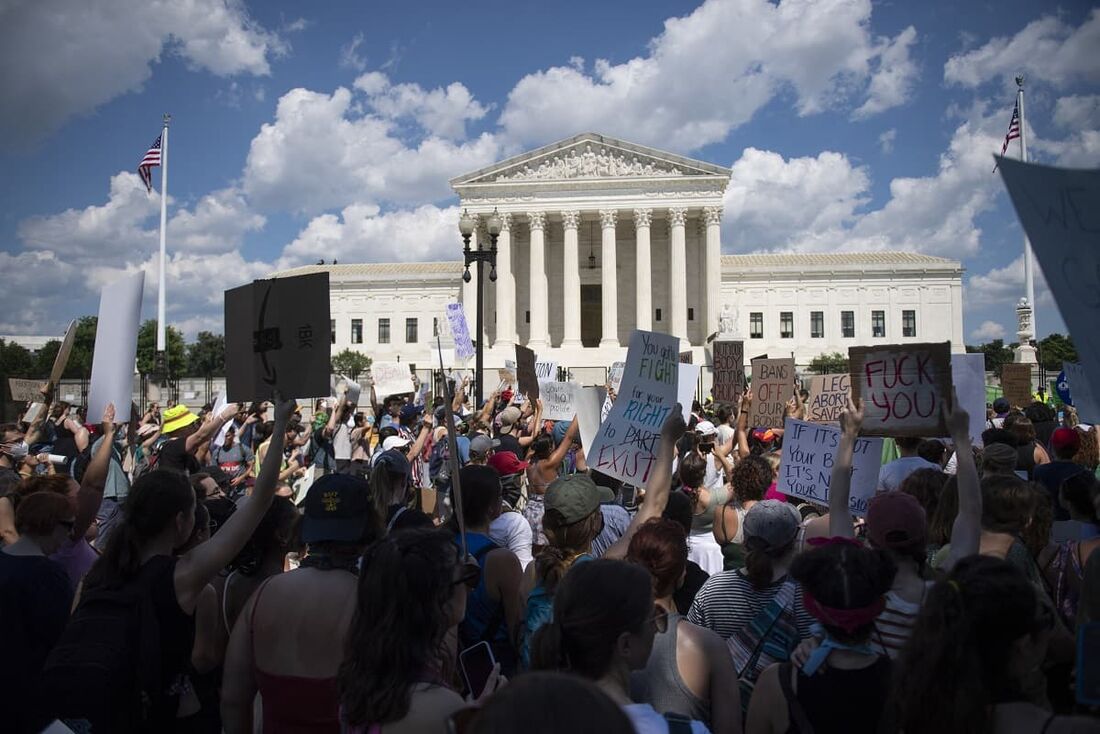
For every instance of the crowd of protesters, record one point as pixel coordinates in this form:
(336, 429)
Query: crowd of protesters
(255, 569)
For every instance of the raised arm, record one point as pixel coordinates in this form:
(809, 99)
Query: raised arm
(90, 495)
(337, 414)
(210, 429)
(558, 455)
(200, 564)
(742, 431)
(840, 484)
(536, 421)
(34, 430)
(422, 437)
(658, 484)
(966, 531)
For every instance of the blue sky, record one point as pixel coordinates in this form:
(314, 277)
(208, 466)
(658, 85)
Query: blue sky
(309, 130)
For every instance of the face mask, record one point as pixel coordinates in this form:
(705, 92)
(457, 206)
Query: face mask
(17, 450)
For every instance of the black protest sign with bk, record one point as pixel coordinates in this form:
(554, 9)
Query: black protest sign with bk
(277, 338)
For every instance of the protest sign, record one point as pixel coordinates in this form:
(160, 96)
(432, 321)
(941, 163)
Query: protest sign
(391, 378)
(62, 359)
(354, 389)
(456, 318)
(24, 391)
(546, 371)
(1060, 211)
(277, 338)
(828, 396)
(968, 376)
(615, 375)
(1084, 399)
(1016, 383)
(729, 371)
(557, 401)
(588, 402)
(32, 412)
(525, 372)
(116, 345)
(507, 373)
(626, 445)
(772, 386)
(809, 452)
(685, 357)
(903, 387)
(687, 382)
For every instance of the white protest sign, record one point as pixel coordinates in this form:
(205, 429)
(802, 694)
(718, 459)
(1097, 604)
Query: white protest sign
(1084, 399)
(353, 387)
(220, 405)
(809, 452)
(588, 401)
(557, 400)
(546, 371)
(687, 382)
(116, 345)
(456, 317)
(391, 378)
(968, 375)
(615, 375)
(1060, 211)
(626, 445)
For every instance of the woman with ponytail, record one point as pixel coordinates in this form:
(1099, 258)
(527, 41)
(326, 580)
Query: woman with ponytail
(605, 620)
(706, 502)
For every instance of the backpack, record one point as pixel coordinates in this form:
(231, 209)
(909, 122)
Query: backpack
(439, 464)
(149, 459)
(540, 611)
(106, 667)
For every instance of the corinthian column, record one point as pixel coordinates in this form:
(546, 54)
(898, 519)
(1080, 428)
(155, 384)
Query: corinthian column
(608, 279)
(506, 286)
(643, 278)
(571, 280)
(712, 269)
(677, 272)
(540, 334)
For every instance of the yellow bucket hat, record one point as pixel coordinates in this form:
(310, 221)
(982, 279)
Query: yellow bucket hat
(177, 417)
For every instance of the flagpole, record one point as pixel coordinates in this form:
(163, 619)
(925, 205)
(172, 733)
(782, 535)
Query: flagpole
(1029, 276)
(161, 336)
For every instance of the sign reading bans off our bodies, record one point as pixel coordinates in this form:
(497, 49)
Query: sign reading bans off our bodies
(903, 387)
(809, 452)
(772, 386)
(626, 445)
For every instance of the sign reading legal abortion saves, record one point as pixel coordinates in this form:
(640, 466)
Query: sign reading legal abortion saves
(809, 453)
(828, 396)
(904, 388)
(626, 445)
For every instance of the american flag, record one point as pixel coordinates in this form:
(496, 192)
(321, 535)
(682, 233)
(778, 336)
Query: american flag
(1013, 130)
(152, 159)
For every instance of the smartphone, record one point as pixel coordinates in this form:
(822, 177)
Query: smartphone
(630, 495)
(1088, 664)
(477, 663)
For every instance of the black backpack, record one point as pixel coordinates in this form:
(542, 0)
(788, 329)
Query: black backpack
(106, 667)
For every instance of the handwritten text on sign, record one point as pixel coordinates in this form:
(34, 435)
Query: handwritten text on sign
(903, 387)
(626, 445)
(772, 386)
(456, 317)
(828, 396)
(729, 371)
(558, 400)
(809, 453)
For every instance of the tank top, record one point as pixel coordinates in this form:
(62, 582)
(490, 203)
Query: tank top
(659, 683)
(485, 616)
(841, 700)
(1025, 459)
(704, 521)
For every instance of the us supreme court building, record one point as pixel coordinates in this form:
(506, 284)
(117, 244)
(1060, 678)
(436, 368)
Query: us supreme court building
(600, 237)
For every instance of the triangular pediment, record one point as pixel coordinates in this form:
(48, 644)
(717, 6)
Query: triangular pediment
(594, 157)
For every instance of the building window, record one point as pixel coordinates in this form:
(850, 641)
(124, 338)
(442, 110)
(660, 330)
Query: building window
(817, 324)
(786, 325)
(435, 326)
(357, 331)
(756, 325)
(527, 317)
(878, 324)
(691, 314)
(412, 326)
(848, 324)
(908, 323)
(332, 331)
(383, 331)
(658, 314)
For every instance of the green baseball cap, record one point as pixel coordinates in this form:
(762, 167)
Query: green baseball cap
(576, 496)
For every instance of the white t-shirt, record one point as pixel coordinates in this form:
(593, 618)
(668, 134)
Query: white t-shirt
(715, 476)
(646, 720)
(894, 473)
(512, 531)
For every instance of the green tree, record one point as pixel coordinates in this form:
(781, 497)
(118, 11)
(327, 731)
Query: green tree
(828, 364)
(80, 359)
(1055, 349)
(206, 355)
(16, 360)
(350, 363)
(44, 357)
(147, 349)
(996, 354)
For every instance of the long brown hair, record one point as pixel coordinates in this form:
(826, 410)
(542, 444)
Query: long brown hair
(565, 543)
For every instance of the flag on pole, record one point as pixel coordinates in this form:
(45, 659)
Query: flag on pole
(148, 163)
(1013, 130)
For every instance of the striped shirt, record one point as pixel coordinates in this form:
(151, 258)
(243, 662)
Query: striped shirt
(895, 624)
(728, 603)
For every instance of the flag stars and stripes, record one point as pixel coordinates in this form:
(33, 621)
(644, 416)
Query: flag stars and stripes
(148, 163)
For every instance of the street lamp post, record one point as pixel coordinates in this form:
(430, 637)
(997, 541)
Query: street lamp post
(480, 256)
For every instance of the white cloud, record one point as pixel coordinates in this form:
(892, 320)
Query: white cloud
(86, 53)
(738, 55)
(886, 140)
(1078, 111)
(1047, 49)
(988, 331)
(350, 58)
(217, 224)
(440, 111)
(39, 284)
(1004, 286)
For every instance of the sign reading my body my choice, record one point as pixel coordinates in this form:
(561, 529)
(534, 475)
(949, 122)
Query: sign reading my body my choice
(626, 445)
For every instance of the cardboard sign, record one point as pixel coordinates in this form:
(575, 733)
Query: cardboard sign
(729, 371)
(588, 402)
(24, 391)
(828, 397)
(391, 378)
(456, 318)
(1016, 383)
(809, 452)
(525, 372)
(1084, 399)
(615, 375)
(277, 338)
(772, 386)
(1060, 211)
(903, 387)
(62, 359)
(116, 345)
(558, 401)
(546, 371)
(687, 383)
(626, 445)
(507, 373)
(685, 357)
(968, 376)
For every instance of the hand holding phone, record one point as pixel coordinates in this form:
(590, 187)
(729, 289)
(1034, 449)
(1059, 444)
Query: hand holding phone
(478, 665)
